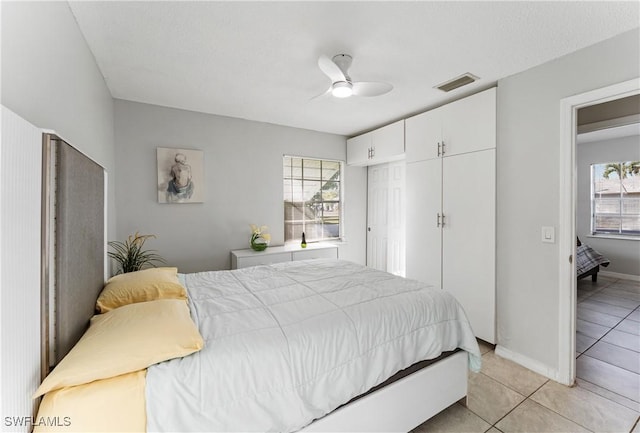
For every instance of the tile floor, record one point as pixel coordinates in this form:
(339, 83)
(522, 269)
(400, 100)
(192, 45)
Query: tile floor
(505, 397)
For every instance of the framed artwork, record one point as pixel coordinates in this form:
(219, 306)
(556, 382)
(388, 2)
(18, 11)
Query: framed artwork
(180, 175)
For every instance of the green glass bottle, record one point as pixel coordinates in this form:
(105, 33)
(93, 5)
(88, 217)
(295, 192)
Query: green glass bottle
(303, 244)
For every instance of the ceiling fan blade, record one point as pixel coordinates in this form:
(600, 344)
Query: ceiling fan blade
(371, 88)
(327, 92)
(330, 69)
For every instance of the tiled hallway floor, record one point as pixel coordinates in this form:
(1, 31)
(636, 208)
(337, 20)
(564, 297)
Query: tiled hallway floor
(505, 397)
(608, 339)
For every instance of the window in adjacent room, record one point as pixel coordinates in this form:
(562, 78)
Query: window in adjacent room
(312, 199)
(615, 198)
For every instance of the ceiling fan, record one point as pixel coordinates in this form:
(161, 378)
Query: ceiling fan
(341, 84)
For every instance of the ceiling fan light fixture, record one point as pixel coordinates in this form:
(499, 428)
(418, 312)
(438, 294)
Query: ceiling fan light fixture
(342, 89)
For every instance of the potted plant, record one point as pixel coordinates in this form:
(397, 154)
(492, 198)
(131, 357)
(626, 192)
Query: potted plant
(130, 254)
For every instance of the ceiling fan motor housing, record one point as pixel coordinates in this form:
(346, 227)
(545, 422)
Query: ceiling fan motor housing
(344, 63)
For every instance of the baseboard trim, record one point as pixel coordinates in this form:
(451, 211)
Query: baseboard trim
(531, 364)
(619, 275)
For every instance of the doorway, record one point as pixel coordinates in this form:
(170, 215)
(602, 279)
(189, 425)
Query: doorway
(567, 240)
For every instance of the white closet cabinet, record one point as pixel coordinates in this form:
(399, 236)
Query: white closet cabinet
(469, 236)
(385, 144)
(451, 200)
(466, 125)
(424, 235)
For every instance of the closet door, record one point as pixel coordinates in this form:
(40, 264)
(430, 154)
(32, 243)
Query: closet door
(424, 236)
(377, 216)
(386, 218)
(468, 236)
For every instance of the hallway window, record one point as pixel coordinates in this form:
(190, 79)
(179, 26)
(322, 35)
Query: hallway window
(615, 198)
(312, 199)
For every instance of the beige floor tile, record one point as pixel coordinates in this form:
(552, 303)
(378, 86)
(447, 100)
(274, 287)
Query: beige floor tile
(613, 310)
(493, 430)
(623, 339)
(489, 399)
(608, 376)
(616, 355)
(532, 417)
(628, 403)
(630, 326)
(635, 316)
(585, 408)
(485, 347)
(456, 418)
(508, 373)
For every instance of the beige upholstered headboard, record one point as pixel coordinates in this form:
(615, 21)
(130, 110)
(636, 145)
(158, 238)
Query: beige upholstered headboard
(76, 240)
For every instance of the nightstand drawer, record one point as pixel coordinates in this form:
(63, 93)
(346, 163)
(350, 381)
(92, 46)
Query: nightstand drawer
(319, 253)
(262, 259)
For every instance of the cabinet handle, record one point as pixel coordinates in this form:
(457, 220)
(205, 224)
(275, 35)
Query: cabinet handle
(438, 148)
(443, 144)
(442, 220)
(438, 223)
(369, 153)
(373, 152)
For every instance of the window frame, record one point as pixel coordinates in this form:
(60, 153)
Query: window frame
(342, 164)
(614, 234)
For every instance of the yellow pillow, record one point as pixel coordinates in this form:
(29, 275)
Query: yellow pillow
(116, 404)
(127, 339)
(141, 286)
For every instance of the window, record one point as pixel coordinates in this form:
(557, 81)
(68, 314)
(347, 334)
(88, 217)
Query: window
(312, 199)
(615, 198)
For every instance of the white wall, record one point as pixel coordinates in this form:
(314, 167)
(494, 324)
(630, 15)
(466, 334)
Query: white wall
(528, 185)
(243, 175)
(51, 79)
(624, 254)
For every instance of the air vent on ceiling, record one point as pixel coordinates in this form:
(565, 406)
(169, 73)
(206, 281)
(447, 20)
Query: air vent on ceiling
(454, 83)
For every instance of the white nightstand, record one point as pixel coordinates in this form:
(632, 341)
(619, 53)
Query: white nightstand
(285, 253)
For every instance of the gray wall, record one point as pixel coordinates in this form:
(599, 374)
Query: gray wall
(528, 186)
(51, 79)
(243, 175)
(624, 254)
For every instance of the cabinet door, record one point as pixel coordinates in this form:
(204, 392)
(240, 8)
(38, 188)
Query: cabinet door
(358, 149)
(469, 124)
(468, 236)
(388, 143)
(422, 135)
(423, 236)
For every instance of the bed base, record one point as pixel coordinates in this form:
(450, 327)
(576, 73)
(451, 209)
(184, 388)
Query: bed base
(404, 404)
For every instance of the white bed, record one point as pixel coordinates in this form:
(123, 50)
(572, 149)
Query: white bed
(311, 345)
(289, 343)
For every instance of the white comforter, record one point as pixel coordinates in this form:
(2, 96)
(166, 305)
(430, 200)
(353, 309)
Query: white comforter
(288, 343)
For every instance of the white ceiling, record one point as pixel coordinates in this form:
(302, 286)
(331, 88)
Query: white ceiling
(258, 60)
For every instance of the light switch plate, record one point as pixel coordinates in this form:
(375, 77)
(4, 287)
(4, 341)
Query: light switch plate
(549, 235)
